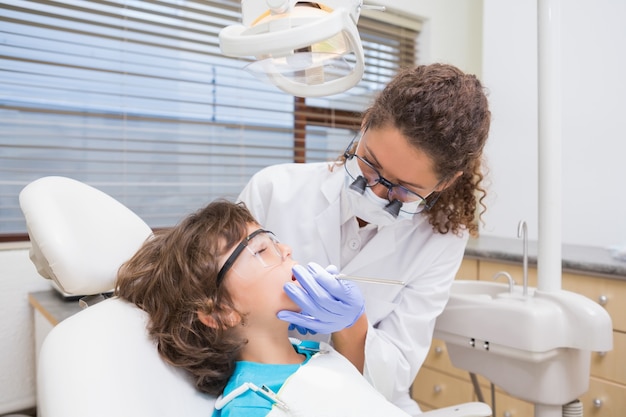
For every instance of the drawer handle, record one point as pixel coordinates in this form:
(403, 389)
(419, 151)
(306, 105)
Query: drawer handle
(438, 350)
(597, 403)
(437, 389)
(603, 300)
(507, 414)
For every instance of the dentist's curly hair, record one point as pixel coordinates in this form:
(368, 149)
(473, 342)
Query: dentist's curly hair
(173, 276)
(445, 113)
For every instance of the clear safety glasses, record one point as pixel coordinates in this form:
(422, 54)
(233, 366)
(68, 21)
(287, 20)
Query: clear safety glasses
(365, 175)
(260, 248)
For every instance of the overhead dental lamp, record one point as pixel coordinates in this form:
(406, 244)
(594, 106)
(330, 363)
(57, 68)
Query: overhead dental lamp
(308, 49)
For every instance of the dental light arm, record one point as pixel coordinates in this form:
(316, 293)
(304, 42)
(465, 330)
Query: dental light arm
(301, 49)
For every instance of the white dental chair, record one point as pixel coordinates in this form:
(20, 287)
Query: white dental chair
(101, 361)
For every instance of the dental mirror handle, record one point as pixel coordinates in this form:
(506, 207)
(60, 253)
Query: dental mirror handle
(369, 280)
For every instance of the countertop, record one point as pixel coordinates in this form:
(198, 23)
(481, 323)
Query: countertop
(575, 258)
(53, 306)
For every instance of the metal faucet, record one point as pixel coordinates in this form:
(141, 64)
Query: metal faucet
(522, 231)
(508, 277)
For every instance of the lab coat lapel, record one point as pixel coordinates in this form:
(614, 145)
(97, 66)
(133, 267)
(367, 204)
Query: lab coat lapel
(327, 220)
(374, 253)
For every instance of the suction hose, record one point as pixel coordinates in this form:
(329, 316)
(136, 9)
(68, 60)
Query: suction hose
(573, 409)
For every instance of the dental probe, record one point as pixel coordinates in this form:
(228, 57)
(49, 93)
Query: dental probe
(370, 280)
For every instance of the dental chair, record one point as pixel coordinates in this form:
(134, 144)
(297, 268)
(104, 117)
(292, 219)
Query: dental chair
(101, 361)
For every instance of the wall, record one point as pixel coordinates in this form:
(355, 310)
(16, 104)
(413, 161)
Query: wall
(18, 276)
(451, 33)
(497, 40)
(593, 169)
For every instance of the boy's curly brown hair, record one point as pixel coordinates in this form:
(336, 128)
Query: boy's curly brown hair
(173, 277)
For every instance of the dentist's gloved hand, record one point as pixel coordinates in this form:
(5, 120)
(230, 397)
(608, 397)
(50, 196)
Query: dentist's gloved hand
(328, 304)
(300, 329)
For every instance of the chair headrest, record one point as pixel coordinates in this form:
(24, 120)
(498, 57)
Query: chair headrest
(80, 236)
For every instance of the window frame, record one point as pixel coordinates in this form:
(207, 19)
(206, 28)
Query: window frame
(308, 114)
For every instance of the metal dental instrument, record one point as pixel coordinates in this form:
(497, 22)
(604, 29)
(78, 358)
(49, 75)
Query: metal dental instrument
(370, 280)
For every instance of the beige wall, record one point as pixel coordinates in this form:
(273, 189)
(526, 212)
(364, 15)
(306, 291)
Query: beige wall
(452, 31)
(593, 64)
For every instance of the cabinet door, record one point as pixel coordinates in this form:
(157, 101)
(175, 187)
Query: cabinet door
(609, 293)
(439, 360)
(468, 269)
(507, 406)
(604, 399)
(611, 365)
(436, 389)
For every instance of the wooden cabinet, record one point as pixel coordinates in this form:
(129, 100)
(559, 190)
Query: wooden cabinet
(507, 406)
(440, 384)
(609, 293)
(604, 398)
(607, 387)
(468, 269)
(439, 389)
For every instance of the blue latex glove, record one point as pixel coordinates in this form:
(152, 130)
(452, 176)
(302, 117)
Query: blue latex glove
(300, 329)
(328, 304)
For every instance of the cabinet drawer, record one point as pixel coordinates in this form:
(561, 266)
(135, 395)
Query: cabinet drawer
(438, 358)
(604, 399)
(611, 365)
(468, 269)
(437, 390)
(610, 293)
(507, 406)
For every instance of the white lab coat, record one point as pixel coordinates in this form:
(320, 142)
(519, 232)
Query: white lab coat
(300, 203)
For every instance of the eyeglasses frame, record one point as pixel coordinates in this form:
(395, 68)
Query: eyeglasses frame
(384, 181)
(233, 256)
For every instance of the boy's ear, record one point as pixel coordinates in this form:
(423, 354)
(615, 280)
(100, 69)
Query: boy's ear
(231, 318)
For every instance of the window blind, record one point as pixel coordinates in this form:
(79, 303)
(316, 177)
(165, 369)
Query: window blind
(136, 99)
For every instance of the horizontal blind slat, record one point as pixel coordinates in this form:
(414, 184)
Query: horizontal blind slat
(136, 99)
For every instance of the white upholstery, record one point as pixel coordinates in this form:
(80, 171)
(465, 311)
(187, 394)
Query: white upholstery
(101, 361)
(80, 235)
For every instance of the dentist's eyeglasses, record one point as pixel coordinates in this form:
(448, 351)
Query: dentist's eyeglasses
(365, 175)
(260, 245)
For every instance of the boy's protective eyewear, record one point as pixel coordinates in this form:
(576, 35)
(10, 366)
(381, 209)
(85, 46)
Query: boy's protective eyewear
(261, 245)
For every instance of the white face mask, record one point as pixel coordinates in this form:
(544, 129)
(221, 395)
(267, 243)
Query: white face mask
(368, 206)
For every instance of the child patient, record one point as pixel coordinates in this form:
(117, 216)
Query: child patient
(212, 287)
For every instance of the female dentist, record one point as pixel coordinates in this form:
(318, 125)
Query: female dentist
(399, 205)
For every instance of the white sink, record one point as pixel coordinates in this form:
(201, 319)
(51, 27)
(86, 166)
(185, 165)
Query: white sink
(536, 347)
(480, 288)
